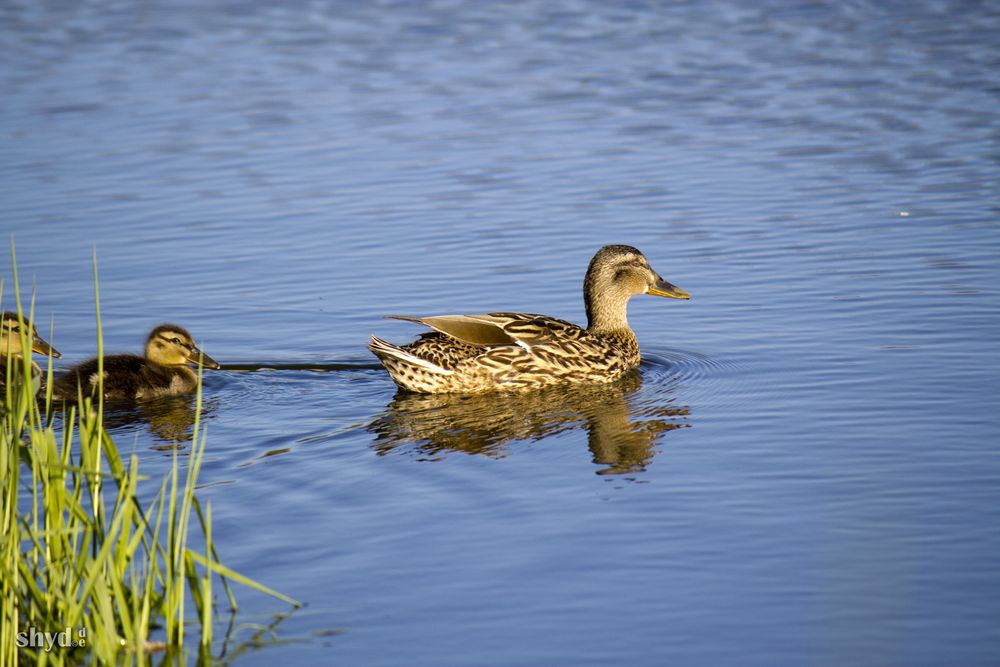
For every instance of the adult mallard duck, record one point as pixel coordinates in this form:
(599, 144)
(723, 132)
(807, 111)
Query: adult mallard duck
(13, 331)
(163, 371)
(502, 351)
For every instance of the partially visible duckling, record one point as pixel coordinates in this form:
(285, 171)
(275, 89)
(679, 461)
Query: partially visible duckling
(162, 372)
(12, 329)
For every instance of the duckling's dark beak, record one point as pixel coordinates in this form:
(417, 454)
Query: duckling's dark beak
(41, 347)
(662, 288)
(198, 357)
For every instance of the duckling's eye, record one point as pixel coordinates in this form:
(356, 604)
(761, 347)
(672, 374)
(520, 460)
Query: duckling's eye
(176, 341)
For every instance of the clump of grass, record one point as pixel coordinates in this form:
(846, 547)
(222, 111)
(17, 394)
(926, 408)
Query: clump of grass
(81, 554)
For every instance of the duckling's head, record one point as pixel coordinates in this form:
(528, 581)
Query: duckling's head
(172, 345)
(13, 328)
(615, 275)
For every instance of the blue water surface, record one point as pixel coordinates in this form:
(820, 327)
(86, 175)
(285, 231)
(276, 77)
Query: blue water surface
(805, 469)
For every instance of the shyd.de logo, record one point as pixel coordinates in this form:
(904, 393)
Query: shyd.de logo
(32, 638)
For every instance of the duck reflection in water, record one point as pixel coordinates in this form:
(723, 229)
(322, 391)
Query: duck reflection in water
(169, 418)
(622, 427)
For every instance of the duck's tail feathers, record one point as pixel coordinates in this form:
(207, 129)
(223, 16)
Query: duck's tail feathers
(386, 351)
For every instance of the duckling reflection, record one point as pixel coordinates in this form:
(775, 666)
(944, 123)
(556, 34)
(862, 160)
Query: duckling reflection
(169, 418)
(622, 431)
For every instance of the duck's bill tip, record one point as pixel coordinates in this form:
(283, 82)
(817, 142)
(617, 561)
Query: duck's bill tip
(199, 358)
(663, 288)
(41, 347)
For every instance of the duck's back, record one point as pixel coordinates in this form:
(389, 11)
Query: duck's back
(527, 350)
(448, 347)
(552, 351)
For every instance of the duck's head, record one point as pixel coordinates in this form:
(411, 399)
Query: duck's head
(14, 331)
(171, 345)
(615, 275)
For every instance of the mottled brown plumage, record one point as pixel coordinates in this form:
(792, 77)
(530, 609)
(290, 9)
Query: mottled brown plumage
(163, 371)
(504, 351)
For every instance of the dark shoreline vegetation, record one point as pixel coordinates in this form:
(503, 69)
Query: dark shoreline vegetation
(88, 571)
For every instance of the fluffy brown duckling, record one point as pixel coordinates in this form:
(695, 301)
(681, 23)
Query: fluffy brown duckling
(14, 332)
(163, 371)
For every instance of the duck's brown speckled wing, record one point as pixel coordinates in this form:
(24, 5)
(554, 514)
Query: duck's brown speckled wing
(519, 350)
(458, 339)
(493, 329)
(532, 329)
(480, 330)
(550, 351)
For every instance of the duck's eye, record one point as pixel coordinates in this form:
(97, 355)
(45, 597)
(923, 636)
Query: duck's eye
(176, 341)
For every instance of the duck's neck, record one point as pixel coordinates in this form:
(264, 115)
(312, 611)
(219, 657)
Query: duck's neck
(16, 361)
(606, 311)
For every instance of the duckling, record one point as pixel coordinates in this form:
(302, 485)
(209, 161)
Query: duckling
(161, 372)
(505, 351)
(12, 328)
